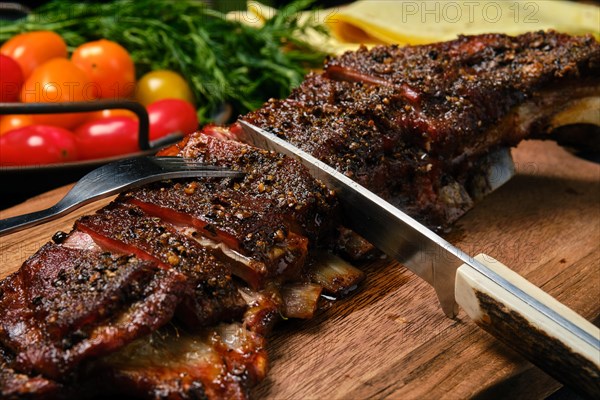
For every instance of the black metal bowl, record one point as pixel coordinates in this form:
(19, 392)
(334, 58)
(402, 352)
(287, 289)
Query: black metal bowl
(20, 182)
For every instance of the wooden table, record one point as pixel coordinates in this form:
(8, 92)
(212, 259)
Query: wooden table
(390, 339)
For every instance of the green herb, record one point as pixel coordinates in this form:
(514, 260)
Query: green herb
(224, 61)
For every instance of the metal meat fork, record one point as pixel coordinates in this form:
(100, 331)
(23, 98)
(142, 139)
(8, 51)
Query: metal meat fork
(114, 178)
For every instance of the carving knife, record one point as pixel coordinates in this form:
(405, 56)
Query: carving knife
(546, 332)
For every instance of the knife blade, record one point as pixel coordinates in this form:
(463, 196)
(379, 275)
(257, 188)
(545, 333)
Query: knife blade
(502, 302)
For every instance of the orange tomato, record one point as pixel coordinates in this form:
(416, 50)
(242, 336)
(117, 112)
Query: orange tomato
(116, 112)
(32, 49)
(108, 65)
(14, 121)
(58, 80)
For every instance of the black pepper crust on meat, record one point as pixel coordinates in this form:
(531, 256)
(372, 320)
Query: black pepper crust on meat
(270, 216)
(414, 123)
(463, 86)
(283, 204)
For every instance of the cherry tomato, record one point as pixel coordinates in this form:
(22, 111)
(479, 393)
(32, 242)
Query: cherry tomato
(109, 65)
(162, 84)
(11, 79)
(14, 121)
(58, 80)
(171, 115)
(32, 49)
(37, 145)
(107, 137)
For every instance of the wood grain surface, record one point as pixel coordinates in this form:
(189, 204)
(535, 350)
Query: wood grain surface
(390, 339)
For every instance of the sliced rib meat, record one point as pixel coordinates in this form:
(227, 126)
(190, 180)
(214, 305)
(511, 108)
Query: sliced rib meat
(66, 305)
(261, 244)
(269, 216)
(127, 229)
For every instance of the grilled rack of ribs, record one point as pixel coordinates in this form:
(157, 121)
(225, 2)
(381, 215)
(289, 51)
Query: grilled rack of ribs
(171, 290)
(416, 124)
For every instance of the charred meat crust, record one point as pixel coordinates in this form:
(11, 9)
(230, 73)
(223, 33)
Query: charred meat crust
(467, 85)
(291, 205)
(270, 215)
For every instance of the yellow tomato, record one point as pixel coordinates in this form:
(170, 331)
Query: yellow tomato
(162, 84)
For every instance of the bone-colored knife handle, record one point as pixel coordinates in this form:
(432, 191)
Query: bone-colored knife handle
(550, 346)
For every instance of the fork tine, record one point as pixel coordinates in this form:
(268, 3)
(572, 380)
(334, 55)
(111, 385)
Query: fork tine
(179, 162)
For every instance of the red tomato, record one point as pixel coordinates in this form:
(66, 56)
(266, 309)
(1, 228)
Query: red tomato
(108, 65)
(32, 49)
(58, 80)
(11, 79)
(171, 115)
(37, 145)
(107, 137)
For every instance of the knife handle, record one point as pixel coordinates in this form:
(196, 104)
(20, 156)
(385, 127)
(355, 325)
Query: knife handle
(555, 349)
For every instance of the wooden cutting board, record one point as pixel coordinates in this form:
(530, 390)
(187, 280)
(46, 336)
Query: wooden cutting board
(390, 339)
